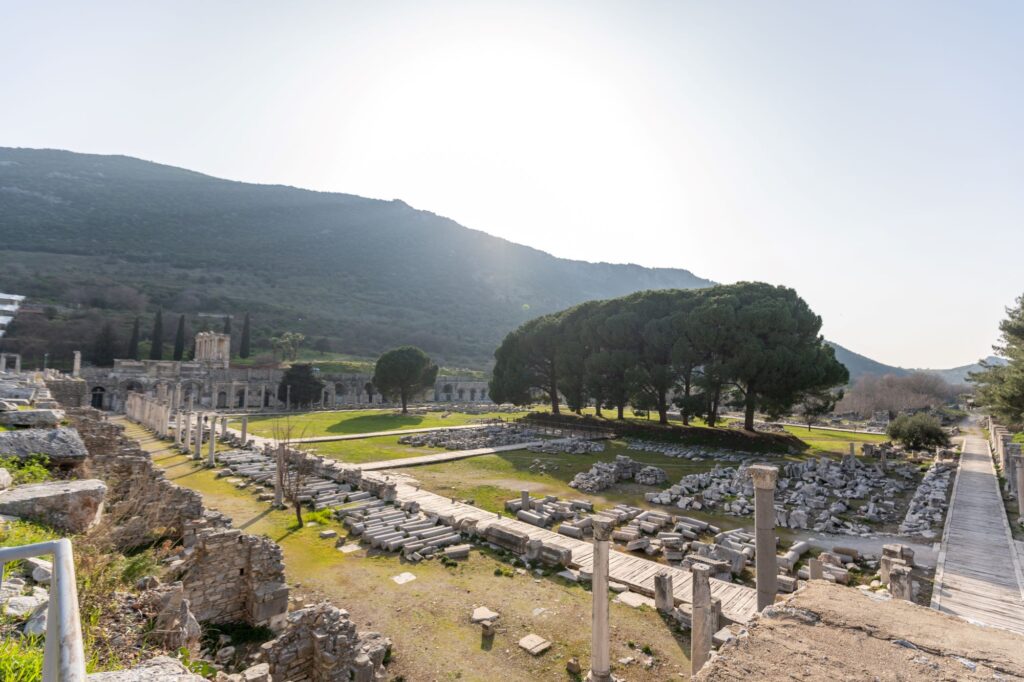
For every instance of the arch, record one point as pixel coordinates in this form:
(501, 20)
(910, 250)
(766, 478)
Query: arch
(98, 395)
(472, 395)
(240, 397)
(222, 399)
(266, 398)
(462, 394)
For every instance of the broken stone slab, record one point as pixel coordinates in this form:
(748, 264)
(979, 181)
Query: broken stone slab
(32, 418)
(403, 578)
(482, 613)
(35, 626)
(535, 645)
(326, 534)
(23, 605)
(40, 569)
(159, 669)
(634, 600)
(457, 551)
(73, 506)
(62, 446)
(6, 480)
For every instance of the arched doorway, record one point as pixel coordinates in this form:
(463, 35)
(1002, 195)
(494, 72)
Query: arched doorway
(240, 398)
(222, 399)
(98, 394)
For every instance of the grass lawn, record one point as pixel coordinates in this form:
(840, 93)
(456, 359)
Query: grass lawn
(312, 424)
(823, 442)
(428, 619)
(368, 449)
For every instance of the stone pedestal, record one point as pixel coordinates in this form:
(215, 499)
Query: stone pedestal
(767, 569)
(524, 499)
(815, 569)
(901, 583)
(600, 663)
(76, 369)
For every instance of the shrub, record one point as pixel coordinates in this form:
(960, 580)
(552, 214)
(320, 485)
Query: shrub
(917, 431)
(32, 469)
(21, 659)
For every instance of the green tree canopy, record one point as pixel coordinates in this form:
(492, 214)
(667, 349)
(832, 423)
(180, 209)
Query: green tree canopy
(306, 386)
(245, 345)
(105, 347)
(156, 347)
(179, 339)
(526, 361)
(403, 372)
(917, 432)
(133, 341)
(1001, 386)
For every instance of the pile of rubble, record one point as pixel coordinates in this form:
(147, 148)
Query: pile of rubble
(405, 530)
(547, 510)
(24, 596)
(811, 494)
(928, 507)
(694, 453)
(571, 446)
(490, 436)
(606, 474)
(762, 427)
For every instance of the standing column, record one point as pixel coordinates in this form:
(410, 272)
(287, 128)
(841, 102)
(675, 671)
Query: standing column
(1018, 461)
(764, 532)
(245, 396)
(279, 478)
(701, 628)
(223, 427)
(17, 363)
(197, 453)
(664, 600)
(213, 440)
(600, 666)
(245, 430)
(186, 438)
(524, 500)
(77, 368)
(263, 395)
(177, 429)
(3, 362)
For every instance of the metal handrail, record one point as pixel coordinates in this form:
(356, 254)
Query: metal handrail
(64, 656)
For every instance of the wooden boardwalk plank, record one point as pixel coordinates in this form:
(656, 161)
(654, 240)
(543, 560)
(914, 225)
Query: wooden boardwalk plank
(978, 577)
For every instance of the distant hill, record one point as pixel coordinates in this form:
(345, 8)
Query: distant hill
(120, 236)
(860, 365)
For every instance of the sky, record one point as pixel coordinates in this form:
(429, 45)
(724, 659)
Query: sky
(869, 154)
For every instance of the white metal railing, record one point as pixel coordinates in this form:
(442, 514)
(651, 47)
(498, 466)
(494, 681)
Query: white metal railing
(64, 657)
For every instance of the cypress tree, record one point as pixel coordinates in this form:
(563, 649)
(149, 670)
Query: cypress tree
(133, 342)
(104, 348)
(179, 339)
(245, 348)
(227, 324)
(156, 349)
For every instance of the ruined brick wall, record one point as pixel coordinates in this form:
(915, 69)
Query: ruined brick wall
(231, 576)
(320, 644)
(68, 392)
(142, 505)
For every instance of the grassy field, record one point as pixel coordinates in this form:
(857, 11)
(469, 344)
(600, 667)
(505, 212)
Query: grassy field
(822, 442)
(368, 449)
(312, 424)
(428, 619)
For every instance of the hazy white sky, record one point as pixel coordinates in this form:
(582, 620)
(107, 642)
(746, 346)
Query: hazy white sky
(868, 154)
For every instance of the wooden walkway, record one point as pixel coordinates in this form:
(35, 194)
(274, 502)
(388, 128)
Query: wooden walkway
(978, 576)
(438, 457)
(739, 603)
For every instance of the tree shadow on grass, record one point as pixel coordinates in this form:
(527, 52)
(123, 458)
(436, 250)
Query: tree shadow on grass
(255, 519)
(370, 423)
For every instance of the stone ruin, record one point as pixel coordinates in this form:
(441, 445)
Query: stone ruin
(927, 509)
(320, 644)
(571, 445)
(811, 494)
(471, 439)
(603, 475)
(694, 453)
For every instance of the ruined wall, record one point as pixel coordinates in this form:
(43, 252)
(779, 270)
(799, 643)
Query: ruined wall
(142, 505)
(231, 577)
(320, 644)
(68, 392)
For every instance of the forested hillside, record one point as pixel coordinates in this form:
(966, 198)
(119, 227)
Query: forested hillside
(111, 237)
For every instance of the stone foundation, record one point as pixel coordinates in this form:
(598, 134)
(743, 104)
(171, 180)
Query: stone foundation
(72, 506)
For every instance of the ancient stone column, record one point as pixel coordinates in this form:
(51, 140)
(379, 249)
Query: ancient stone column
(1018, 461)
(17, 363)
(767, 569)
(600, 664)
(223, 427)
(245, 397)
(187, 435)
(702, 630)
(815, 569)
(524, 499)
(664, 601)
(279, 478)
(263, 395)
(77, 367)
(213, 440)
(197, 453)
(3, 362)
(287, 398)
(245, 430)
(853, 451)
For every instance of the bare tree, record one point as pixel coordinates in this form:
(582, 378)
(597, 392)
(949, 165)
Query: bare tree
(293, 466)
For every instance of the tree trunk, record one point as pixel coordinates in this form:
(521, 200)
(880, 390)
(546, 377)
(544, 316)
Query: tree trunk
(685, 412)
(662, 408)
(405, 409)
(298, 507)
(554, 403)
(553, 390)
(597, 410)
(621, 409)
(748, 416)
(713, 415)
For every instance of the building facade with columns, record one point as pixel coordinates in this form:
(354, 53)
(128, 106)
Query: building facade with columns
(209, 381)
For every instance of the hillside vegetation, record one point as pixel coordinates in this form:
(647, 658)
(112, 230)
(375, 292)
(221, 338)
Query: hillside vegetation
(116, 236)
